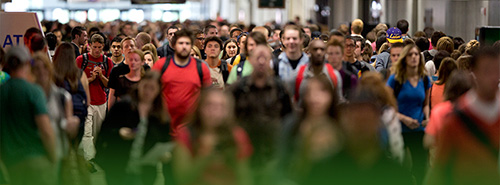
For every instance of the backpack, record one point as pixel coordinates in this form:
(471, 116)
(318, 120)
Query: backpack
(85, 62)
(198, 66)
(427, 56)
(79, 100)
(224, 69)
(239, 67)
(276, 66)
(300, 77)
(398, 86)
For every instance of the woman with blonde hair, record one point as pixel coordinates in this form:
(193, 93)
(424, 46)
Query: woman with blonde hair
(410, 85)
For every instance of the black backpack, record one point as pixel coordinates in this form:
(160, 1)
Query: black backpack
(427, 56)
(239, 67)
(224, 69)
(199, 64)
(86, 62)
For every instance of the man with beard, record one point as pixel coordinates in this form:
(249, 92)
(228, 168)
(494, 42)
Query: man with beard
(116, 51)
(316, 67)
(182, 79)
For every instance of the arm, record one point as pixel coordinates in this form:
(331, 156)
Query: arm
(85, 84)
(47, 136)
(72, 121)
(408, 121)
(426, 108)
(103, 79)
(111, 98)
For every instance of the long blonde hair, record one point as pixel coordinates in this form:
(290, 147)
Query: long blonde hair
(399, 68)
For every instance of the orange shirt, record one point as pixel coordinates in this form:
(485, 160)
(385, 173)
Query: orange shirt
(436, 95)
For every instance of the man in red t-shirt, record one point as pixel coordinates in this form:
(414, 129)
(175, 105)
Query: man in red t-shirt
(97, 70)
(182, 80)
(467, 148)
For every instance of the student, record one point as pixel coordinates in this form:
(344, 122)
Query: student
(127, 82)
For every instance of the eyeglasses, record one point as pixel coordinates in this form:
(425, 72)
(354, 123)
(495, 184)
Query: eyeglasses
(349, 45)
(200, 38)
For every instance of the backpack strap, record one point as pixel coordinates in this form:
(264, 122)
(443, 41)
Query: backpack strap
(276, 66)
(333, 77)
(397, 88)
(234, 58)
(105, 63)
(224, 69)
(85, 61)
(475, 131)
(298, 81)
(165, 65)
(239, 69)
(199, 67)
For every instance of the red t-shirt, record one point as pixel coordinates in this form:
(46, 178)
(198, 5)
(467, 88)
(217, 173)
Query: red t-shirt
(97, 94)
(181, 88)
(438, 114)
(437, 94)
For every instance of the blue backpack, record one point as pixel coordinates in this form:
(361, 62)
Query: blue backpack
(79, 99)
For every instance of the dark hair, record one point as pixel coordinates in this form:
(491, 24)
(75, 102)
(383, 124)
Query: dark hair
(51, 40)
(336, 33)
(422, 43)
(485, 52)
(438, 58)
(78, 30)
(396, 45)
(258, 37)
(213, 38)
(408, 41)
(380, 40)
(117, 39)
(94, 29)
(31, 31)
(157, 110)
(208, 27)
(234, 30)
(428, 31)
(457, 41)
(97, 38)
(419, 34)
(455, 54)
(172, 27)
(224, 53)
(37, 43)
(183, 33)
(458, 84)
(435, 37)
(403, 26)
(64, 64)
(336, 43)
(306, 41)
(447, 66)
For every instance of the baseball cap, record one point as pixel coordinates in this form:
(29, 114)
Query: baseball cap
(394, 35)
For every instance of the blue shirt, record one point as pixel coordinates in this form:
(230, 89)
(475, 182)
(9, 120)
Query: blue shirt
(411, 101)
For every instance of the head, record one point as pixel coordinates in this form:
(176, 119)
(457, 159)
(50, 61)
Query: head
(337, 36)
(420, 34)
(135, 60)
(457, 41)
(335, 53)
(38, 43)
(464, 62)
(28, 34)
(195, 52)
(128, 44)
(403, 26)
(59, 36)
(472, 47)
(367, 52)
(79, 35)
(409, 59)
(394, 35)
(116, 47)
(293, 38)
(235, 33)
(213, 47)
(422, 43)
(17, 62)
(446, 44)
(149, 58)
(127, 29)
(224, 30)
(182, 43)
(307, 30)
(409, 41)
(170, 32)
(65, 66)
(260, 57)
(428, 32)
(214, 110)
(320, 98)
(242, 40)
(458, 84)
(357, 26)
(317, 49)
(395, 51)
(373, 85)
(51, 41)
(96, 45)
(142, 38)
(485, 67)
(380, 41)
(276, 34)
(210, 31)
(447, 66)
(359, 44)
(350, 46)
(42, 70)
(438, 58)
(262, 30)
(253, 39)
(148, 91)
(230, 49)
(435, 38)
(151, 48)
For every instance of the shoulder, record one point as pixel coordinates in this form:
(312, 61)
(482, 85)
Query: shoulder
(391, 81)
(159, 64)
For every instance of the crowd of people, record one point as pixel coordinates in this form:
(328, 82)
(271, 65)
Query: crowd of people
(218, 103)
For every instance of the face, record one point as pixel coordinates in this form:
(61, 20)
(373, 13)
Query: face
(413, 58)
(395, 54)
(235, 34)
(127, 29)
(41, 73)
(487, 74)
(116, 49)
(83, 38)
(317, 98)
(149, 60)
(334, 56)
(182, 47)
(317, 50)
(128, 46)
(199, 41)
(276, 35)
(134, 61)
(193, 54)
(215, 109)
(148, 90)
(212, 32)
(243, 40)
(170, 34)
(251, 44)
(213, 49)
(292, 40)
(58, 36)
(357, 50)
(307, 31)
(260, 58)
(96, 48)
(231, 49)
(349, 48)
(224, 30)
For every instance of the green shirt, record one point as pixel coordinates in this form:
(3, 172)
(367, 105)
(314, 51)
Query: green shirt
(20, 102)
(247, 70)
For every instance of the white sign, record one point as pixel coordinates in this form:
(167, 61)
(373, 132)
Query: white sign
(13, 25)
